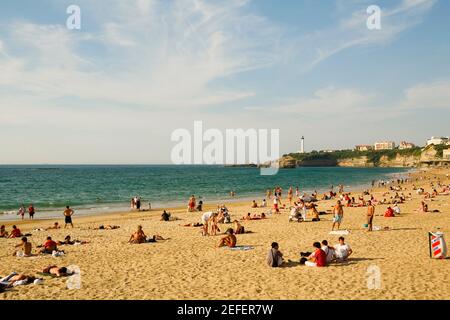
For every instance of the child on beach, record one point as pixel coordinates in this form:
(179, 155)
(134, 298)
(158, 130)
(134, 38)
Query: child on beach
(21, 212)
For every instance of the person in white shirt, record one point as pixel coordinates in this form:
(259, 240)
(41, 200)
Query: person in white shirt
(328, 250)
(396, 209)
(342, 250)
(206, 216)
(264, 203)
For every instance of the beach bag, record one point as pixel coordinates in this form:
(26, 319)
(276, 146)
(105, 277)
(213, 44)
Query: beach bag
(438, 247)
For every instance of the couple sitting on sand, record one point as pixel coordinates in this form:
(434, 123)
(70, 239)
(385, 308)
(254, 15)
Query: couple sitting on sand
(140, 237)
(48, 247)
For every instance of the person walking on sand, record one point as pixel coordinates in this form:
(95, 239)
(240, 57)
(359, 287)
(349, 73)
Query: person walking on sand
(370, 215)
(31, 211)
(338, 212)
(21, 212)
(68, 213)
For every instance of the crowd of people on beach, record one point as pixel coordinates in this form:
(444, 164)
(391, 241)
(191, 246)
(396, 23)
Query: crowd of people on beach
(301, 207)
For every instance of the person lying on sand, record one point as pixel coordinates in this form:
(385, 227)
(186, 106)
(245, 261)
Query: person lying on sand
(3, 232)
(16, 279)
(193, 224)
(107, 227)
(26, 248)
(49, 246)
(254, 217)
(55, 226)
(56, 271)
(68, 241)
(229, 240)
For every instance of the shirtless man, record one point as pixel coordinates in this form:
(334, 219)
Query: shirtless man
(55, 226)
(57, 271)
(338, 212)
(68, 216)
(370, 214)
(138, 236)
(26, 248)
(229, 240)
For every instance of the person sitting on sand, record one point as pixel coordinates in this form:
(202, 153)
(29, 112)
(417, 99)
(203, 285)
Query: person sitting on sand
(247, 217)
(329, 251)
(396, 209)
(314, 212)
(138, 236)
(423, 207)
(229, 240)
(264, 203)
(3, 232)
(165, 216)
(55, 226)
(389, 213)
(15, 232)
(254, 204)
(26, 248)
(342, 250)
(316, 259)
(238, 228)
(49, 246)
(56, 271)
(274, 256)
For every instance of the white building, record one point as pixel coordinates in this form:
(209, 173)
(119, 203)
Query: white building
(438, 140)
(384, 145)
(446, 154)
(363, 147)
(406, 145)
(302, 145)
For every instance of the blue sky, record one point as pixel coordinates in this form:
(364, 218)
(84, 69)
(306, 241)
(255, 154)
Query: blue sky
(114, 91)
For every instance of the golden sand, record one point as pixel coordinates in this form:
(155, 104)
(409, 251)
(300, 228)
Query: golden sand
(188, 266)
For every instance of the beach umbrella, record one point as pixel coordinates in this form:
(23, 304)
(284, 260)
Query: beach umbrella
(308, 198)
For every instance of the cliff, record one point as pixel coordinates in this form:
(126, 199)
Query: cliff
(430, 155)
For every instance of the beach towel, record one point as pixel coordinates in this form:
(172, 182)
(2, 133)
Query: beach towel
(240, 248)
(339, 232)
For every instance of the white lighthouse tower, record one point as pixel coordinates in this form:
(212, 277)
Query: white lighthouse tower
(302, 145)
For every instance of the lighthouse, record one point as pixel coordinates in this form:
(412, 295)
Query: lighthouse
(302, 145)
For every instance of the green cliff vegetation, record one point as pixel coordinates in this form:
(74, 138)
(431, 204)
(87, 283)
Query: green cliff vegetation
(372, 155)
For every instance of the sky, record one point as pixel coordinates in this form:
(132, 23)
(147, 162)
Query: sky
(115, 90)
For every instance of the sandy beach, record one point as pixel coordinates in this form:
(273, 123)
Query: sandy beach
(188, 266)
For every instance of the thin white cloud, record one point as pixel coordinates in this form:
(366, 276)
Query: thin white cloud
(154, 54)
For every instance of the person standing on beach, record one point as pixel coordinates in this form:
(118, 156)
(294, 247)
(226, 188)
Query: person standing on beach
(31, 211)
(370, 214)
(269, 194)
(338, 212)
(21, 212)
(68, 216)
(290, 192)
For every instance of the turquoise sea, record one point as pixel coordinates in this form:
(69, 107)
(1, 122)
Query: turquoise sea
(92, 189)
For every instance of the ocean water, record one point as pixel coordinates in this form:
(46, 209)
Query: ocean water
(93, 189)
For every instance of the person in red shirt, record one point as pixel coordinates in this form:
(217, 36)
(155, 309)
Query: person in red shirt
(389, 213)
(318, 258)
(49, 246)
(31, 211)
(15, 233)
